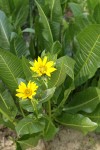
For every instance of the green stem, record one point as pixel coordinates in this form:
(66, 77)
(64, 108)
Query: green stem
(49, 107)
(22, 110)
(45, 82)
(34, 107)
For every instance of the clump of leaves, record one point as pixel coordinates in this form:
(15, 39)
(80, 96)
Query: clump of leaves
(49, 67)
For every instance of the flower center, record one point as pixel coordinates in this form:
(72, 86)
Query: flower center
(28, 92)
(43, 69)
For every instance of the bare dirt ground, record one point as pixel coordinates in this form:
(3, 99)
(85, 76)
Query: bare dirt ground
(66, 139)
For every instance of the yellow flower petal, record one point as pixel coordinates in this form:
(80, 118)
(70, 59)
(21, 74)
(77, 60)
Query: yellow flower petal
(44, 60)
(50, 64)
(48, 74)
(42, 67)
(26, 91)
(39, 60)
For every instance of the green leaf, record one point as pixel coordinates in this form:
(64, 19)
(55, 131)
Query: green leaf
(26, 68)
(77, 121)
(7, 6)
(65, 66)
(56, 48)
(3, 107)
(30, 30)
(63, 1)
(29, 126)
(86, 100)
(18, 47)
(95, 116)
(5, 31)
(50, 130)
(10, 69)
(56, 18)
(8, 124)
(96, 13)
(19, 3)
(92, 4)
(6, 112)
(2, 87)
(47, 95)
(9, 103)
(46, 31)
(28, 141)
(65, 97)
(56, 11)
(27, 105)
(76, 9)
(88, 56)
(21, 15)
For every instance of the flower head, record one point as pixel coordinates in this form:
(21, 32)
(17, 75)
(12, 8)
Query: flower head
(42, 67)
(26, 91)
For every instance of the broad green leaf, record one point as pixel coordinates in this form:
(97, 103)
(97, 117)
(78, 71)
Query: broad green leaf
(88, 56)
(26, 105)
(56, 18)
(65, 97)
(2, 87)
(10, 69)
(26, 68)
(5, 31)
(50, 130)
(56, 48)
(56, 11)
(18, 47)
(42, 43)
(77, 121)
(28, 141)
(47, 95)
(7, 123)
(46, 31)
(20, 3)
(4, 109)
(45, 5)
(21, 15)
(30, 126)
(57, 95)
(76, 9)
(95, 116)
(7, 6)
(9, 103)
(6, 112)
(92, 4)
(30, 30)
(18, 147)
(65, 66)
(99, 83)
(86, 100)
(96, 13)
(63, 1)
(1, 120)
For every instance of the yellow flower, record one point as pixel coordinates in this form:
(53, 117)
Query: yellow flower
(42, 67)
(26, 91)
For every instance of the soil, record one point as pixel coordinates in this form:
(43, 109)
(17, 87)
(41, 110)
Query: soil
(66, 139)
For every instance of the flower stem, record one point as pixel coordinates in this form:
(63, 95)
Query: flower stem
(33, 102)
(45, 82)
(21, 110)
(49, 108)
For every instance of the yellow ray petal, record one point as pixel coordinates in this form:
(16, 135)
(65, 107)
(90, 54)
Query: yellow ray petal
(45, 60)
(49, 64)
(40, 60)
